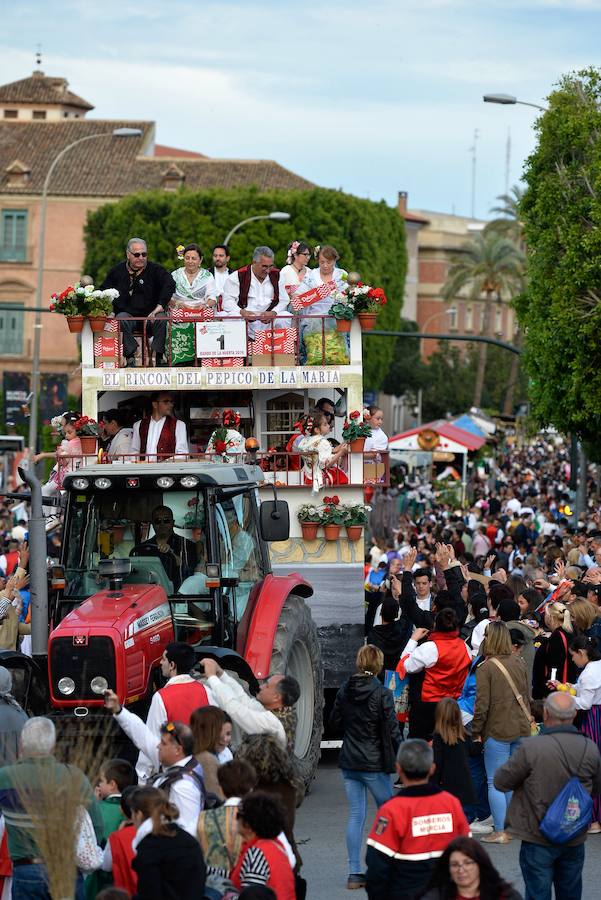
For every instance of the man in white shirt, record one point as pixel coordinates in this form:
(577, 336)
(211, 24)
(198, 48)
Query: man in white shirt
(253, 292)
(173, 751)
(219, 270)
(160, 432)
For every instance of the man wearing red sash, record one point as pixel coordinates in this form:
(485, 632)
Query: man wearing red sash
(160, 433)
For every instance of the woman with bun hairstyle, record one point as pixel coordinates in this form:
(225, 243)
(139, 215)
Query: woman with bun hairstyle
(168, 860)
(586, 656)
(552, 661)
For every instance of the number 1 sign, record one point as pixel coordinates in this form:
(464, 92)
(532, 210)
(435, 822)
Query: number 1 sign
(218, 339)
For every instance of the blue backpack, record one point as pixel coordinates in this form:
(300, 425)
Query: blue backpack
(571, 811)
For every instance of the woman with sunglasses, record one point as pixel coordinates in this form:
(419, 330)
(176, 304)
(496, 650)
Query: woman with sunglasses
(465, 872)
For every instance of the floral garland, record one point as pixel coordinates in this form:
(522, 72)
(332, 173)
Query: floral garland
(305, 426)
(230, 418)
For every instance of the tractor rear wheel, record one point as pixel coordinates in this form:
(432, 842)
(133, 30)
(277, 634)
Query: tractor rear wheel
(296, 652)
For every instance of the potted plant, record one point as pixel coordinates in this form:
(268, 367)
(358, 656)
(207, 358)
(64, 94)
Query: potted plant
(87, 431)
(355, 430)
(368, 304)
(70, 303)
(309, 517)
(355, 519)
(332, 517)
(98, 306)
(342, 309)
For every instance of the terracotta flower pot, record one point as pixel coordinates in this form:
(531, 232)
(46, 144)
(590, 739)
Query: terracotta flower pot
(309, 530)
(343, 325)
(75, 324)
(367, 321)
(357, 445)
(97, 323)
(353, 532)
(88, 444)
(331, 532)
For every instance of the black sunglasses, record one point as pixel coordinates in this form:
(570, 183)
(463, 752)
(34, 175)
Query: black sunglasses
(138, 253)
(163, 520)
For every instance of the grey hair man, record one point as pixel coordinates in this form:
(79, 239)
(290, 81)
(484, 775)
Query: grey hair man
(37, 778)
(412, 830)
(145, 291)
(536, 773)
(12, 719)
(253, 291)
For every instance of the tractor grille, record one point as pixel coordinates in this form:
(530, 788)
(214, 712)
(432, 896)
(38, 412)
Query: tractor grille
(82, 664)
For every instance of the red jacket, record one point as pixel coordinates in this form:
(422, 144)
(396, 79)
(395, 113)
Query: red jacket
(265, 862)
(122, 854)
(447, 676)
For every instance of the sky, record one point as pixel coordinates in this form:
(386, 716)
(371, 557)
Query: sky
(372, 97)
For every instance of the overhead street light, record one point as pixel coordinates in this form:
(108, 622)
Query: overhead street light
(510, 100)
(276, 216)
(37, 328)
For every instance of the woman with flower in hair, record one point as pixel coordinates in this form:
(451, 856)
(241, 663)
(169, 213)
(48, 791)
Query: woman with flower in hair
(314, 297)
(195, 295)
(226, 441)
(295, 269)
(320, 460)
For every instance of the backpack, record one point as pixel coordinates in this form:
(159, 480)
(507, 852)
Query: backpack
(571, 811)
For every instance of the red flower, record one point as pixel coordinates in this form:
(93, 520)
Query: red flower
(220, 446)
(335, 500)
(52, 307)
(355, 414)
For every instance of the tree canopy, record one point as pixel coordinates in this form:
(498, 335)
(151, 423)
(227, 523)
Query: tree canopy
(560, 310)
(369, 236)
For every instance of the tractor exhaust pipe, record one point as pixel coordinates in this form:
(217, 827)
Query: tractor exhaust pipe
(37, 566)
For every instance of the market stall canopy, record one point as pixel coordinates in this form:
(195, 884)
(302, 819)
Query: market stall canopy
(468, 424)
(437, 435)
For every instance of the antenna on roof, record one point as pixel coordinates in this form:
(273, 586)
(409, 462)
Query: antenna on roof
(38, 56)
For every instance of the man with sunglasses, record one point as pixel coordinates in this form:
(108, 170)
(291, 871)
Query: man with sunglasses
(145, 291)
(177, 554)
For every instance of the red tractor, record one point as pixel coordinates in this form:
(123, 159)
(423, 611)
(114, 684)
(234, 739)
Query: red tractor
(157, 552)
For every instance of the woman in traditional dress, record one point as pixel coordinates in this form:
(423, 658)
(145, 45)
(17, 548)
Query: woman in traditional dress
(295, 270)
(320, 459)
(195, 292)
(314, 298)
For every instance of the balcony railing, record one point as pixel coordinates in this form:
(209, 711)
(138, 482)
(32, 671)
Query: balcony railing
(222, 341)
(280, 468)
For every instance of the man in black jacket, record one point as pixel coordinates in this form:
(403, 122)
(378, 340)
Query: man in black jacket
(145, 290)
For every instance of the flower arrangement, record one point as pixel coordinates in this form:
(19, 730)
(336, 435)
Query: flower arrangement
(355, 428)
(356, 514)
(371, 300)
(230, 418)
(180, 251)
(308, 512)
(357, 298)
(343, 306)
(86, 427)
(83, 300)
(333, 512)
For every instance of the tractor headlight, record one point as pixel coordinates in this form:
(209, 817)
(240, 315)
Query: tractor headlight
(99, 684)
(189, 481)
(102, 483)
(66, 686)
(165, 481)
(80, 484)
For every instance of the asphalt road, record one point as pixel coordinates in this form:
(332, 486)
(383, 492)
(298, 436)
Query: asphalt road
(320, 832)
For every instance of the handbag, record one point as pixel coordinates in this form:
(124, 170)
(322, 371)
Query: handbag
(571, 811)
(88, 855)
(517, 695)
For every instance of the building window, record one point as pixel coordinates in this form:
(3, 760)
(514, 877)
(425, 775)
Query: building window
(11, 331)
(452, 313)
(11, 113)
(469, 318)
(13, 235)
(281, 415)
(39, 114)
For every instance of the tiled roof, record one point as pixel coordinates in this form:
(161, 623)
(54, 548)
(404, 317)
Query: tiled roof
(114, 167)
(176, 153)
(40, 88)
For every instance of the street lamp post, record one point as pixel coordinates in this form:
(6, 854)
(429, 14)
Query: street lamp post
(37, 328)
(275, 216)
(510, 100)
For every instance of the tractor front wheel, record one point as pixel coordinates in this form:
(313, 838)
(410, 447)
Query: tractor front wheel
(296, 652)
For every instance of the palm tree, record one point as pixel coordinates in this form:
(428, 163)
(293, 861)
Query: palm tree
(490, 267)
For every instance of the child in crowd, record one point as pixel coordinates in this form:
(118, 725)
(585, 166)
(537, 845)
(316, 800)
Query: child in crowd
(224, 754)
(320, 460)
(450, 753)
(118, 853)
(217, 833)
(116, 775)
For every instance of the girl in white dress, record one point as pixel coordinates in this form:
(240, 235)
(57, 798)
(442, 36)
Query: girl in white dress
(227, 442)
(320, 460)
(377, 441)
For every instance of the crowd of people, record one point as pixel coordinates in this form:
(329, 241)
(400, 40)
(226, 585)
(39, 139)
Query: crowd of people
(482, 628)
(261, 294)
